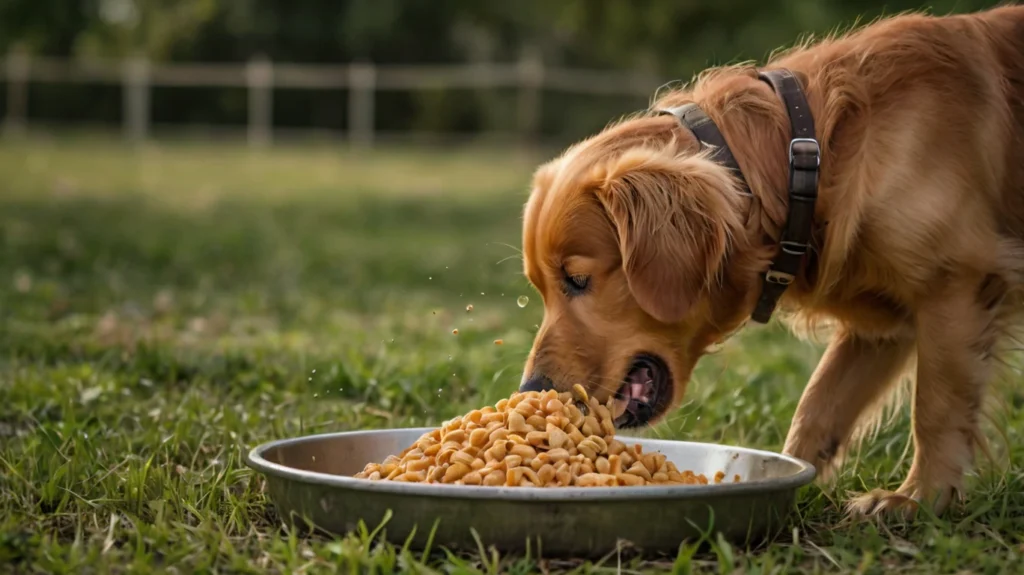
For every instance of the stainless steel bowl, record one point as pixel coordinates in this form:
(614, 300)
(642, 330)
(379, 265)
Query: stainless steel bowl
(309, 480)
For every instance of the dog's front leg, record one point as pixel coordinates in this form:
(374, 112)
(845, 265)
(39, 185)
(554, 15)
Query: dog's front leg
(956, 333)
(852, 376)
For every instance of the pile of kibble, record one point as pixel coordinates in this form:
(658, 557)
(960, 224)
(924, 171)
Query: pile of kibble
(532, 439)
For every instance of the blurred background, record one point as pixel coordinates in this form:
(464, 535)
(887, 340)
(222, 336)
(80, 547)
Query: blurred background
(539, 71)
(250, 189)
(224, 222)
(327, 182)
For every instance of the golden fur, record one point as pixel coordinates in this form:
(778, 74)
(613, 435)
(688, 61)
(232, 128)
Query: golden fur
(918, 244)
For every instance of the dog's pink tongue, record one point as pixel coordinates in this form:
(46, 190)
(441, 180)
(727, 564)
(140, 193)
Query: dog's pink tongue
(641, 385)
(639, 388)
(639, 391)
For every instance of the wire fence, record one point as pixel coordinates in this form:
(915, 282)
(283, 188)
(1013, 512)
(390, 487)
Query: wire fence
(260, 77)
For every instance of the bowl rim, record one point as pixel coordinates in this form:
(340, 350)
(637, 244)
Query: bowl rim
(255, 460)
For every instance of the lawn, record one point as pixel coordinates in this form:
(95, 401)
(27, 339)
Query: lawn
(165, 309)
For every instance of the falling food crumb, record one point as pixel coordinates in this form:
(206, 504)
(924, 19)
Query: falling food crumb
(469, 307)
(499, 341)
(455, 331)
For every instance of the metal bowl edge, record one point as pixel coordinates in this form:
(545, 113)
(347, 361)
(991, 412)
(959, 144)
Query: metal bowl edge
(255, 460)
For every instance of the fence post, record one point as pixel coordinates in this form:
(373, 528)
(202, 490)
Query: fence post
(136, 99)
(260, 80)
(362, 78)
(531, 81)
(16, 120)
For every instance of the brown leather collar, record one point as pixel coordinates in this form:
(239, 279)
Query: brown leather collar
(804, 168)
(709, 137)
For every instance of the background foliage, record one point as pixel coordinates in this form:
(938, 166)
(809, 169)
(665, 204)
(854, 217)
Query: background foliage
(670, 38)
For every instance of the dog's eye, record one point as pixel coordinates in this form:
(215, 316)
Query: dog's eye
(575, 284)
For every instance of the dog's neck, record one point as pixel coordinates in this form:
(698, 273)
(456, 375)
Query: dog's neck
(759, 118)
(756, 122)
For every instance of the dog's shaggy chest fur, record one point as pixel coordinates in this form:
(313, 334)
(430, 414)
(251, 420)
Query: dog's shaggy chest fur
(918, 252)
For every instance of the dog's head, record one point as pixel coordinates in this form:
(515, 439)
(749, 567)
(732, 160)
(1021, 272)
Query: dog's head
(633, 239)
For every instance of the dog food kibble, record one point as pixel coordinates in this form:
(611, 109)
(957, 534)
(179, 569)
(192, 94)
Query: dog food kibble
(455, 331)
(532, 439)
(580, 393)
(469, 307)
(499, 341)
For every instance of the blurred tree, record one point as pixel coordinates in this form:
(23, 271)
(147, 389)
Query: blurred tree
(154, 28)
(672, 38)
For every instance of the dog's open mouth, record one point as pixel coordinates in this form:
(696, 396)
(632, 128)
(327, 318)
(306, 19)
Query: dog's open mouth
(645, 394)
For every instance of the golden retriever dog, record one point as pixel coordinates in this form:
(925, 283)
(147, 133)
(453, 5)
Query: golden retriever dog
(648, 249)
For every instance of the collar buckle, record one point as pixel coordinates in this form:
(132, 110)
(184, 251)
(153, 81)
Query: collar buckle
(802, 151)
(777, 277)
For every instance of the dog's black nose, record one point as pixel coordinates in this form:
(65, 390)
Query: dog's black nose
(536, 382)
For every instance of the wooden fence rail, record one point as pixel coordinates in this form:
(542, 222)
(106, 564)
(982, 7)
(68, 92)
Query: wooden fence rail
(529, 76)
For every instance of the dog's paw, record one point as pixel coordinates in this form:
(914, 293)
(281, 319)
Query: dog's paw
(902, 504)
(882, 503)
(819, 449)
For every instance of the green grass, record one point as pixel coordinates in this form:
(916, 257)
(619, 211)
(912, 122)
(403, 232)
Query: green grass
(165, 309)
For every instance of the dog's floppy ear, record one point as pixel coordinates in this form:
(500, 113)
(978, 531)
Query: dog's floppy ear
(674, 217)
